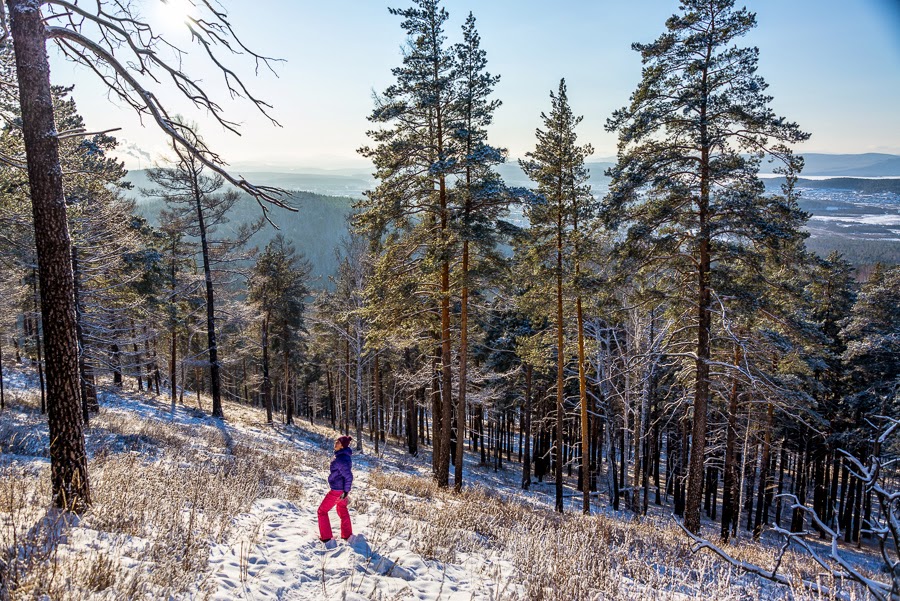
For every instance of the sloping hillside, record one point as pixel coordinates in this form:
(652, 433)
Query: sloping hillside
(316, 228)
(188, 507)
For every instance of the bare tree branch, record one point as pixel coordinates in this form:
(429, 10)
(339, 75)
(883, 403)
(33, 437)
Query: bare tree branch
(75, 42)
(836, 565)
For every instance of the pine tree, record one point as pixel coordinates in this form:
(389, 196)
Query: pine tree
(483, 193)
(685, 185)
(556, 165)
(101, 230)
(113, 262)
(763, 338)
(344, 312)
(178, 254)
(195, 201)
(68, 459)
(872, 335)
(279, 287)
(116, 28)
(416, 154)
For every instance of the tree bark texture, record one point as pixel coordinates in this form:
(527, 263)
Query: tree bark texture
(729, 491)
(560, 362)
(446, 374)
(266, 383)
(526, 458)
(704, 321)
(68, 461)
(463, 360)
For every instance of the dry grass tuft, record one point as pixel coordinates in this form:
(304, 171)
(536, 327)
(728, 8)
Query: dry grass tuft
(588, 557)
(163, 493)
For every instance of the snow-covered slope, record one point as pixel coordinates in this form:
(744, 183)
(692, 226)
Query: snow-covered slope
(187, 507)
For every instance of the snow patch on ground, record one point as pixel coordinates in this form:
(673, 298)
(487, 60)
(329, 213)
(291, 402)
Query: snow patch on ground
(275, 553)
(271, 551)
(270, 548)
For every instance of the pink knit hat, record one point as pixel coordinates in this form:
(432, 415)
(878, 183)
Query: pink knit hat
(345, 441)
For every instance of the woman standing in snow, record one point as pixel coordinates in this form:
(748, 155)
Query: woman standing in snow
(340, 480)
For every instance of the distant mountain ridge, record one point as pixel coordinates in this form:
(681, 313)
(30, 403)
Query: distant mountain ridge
(344, 183)
(870, 164)
(316, 228)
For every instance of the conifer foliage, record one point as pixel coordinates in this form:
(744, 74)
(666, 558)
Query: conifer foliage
(484, 198)
(432, 134)
(198, 205)
(685, 187)
(416, 155)
(556, 165)
(279, 288)
(99, 38)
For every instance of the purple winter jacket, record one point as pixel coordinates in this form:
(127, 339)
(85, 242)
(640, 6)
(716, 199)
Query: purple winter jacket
(341, 478)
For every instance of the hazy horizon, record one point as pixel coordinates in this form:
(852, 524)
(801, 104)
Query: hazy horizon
(334, 164)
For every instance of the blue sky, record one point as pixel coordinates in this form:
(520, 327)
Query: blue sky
(832, 66)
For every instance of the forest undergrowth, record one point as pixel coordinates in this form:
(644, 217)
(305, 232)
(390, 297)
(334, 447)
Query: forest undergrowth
(578, 557)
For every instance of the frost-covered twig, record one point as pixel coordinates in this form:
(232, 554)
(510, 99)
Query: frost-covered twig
(834, 562)
(773, 575)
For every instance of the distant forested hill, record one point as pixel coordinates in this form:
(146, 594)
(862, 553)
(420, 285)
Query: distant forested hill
(858, 251)
(871, 164)
(320, 224)
(316, 229)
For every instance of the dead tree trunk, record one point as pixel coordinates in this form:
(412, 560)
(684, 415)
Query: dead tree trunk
(215, 380)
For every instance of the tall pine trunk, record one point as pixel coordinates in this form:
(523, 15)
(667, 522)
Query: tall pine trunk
(173, 328)
(585, 417)
(463, 359)
(347, 386)
(560, 356)
(436, 414)
(376, 384)
(729, 492)
(704, 321)
(446, 375)
(289, 398)
(68, 460)
(762, 509)
(359, 387)
(526, 456)
(443, 475)
(266, 383)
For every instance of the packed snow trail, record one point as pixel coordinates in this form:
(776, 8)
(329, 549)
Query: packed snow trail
(275, 553)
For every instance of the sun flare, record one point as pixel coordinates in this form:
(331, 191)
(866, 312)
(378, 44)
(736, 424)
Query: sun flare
(176, 11)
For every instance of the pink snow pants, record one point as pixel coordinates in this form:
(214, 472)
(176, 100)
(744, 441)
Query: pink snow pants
(331, 499)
